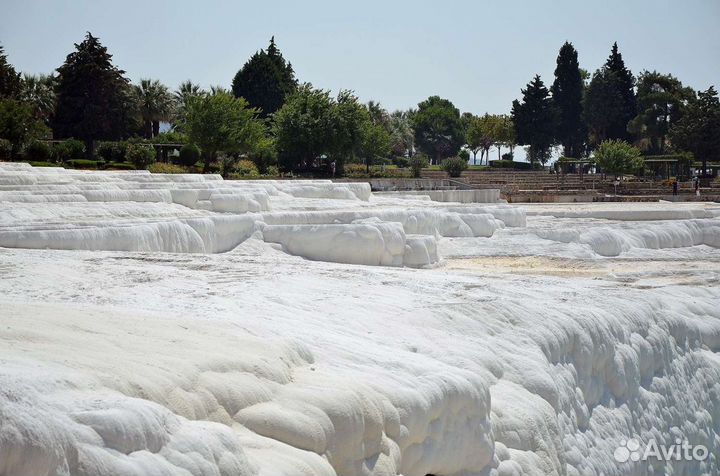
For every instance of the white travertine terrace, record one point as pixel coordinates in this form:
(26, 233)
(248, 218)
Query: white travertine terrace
(158, 325)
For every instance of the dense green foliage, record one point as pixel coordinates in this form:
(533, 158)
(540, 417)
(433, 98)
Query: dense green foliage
(303, 128)
(19, 125)
(417, 163)
(265, 80)
(38, 151)
(140, 155)
(182, 95)
(93, 96)
(10, 81)
(269, 121)
(438, 128)
(661, 100)
(374, 142)
(39, 91)
(698, 131)
(567, 93)
(402, 135)
(623, 82)
(509, 164)
(155, 103)
(311, 126)
(112, 151)
(454, 166)
(189, 155)
(481, 133)
(5, 149)
(221, 122)
(534, 120)
(618, 157)
(67, 151)
(602, 106)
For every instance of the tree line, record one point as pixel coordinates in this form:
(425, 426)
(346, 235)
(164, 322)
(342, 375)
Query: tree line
(653, 112)
(269, 117)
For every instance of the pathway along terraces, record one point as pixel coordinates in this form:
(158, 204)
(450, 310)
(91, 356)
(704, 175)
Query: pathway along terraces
(543, 186)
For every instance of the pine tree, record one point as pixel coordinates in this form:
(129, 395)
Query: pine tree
(10, 81)
(265, 80)
(661, 101)
(567, 91)
(624, 83)
(534, 120)
(93, 97)
(439, 131)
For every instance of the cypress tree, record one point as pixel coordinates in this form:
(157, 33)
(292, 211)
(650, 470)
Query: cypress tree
(93, 96)
(567, 91)
(265, 80)
(534, 119)
(603, 106)
(624, 83)
(10, 81)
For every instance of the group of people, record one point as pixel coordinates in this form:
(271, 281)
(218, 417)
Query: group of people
(696, 186)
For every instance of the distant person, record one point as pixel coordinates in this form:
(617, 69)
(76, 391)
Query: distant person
(675, 187)
(332, 168)
(696, 183)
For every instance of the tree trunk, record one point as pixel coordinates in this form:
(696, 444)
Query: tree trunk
(499, 156)
(155, 128)
(147, 129)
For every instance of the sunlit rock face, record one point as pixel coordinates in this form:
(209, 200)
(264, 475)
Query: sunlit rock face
(188, 325)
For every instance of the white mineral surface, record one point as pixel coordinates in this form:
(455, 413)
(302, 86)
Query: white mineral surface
(187, 325)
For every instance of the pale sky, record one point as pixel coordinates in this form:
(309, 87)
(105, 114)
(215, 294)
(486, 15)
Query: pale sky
(477, 54)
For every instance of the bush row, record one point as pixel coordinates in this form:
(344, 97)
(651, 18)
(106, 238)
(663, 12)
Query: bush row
(509, 164)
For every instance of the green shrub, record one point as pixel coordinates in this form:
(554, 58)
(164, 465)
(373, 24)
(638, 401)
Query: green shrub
(71, 149)
(163, 168)
(140, 155)
(111, 151)
(385, 172)
(120, 166)
(5, 149)
(508, 156)
(417, 163)
(355, 170)
(104, 151)
(464, 154)
(618, 157)
(37, 151)
(454, 166)
(509, 164)
(272, 171)
(169, 137)
(189, 155)
(81, 164)
(246, 168)
(400, 161)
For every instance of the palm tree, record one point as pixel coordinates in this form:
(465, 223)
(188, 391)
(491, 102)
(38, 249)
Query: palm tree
(183, 93)
(378, 115)
(39, 90)
(402, 136)
(156, 104)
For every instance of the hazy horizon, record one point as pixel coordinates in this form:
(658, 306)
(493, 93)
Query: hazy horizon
(395, 53)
